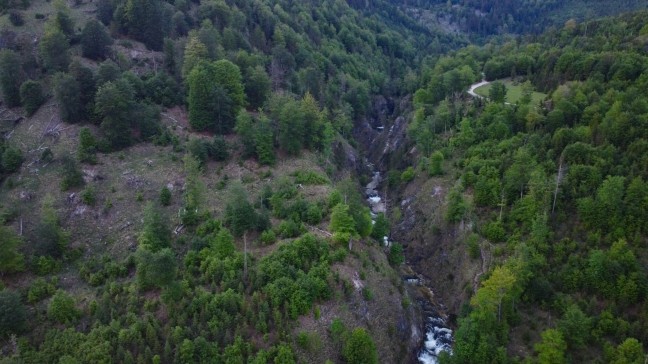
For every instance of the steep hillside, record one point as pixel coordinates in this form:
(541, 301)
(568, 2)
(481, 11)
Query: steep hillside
(179, 182)
(529, 218)
(481, 19)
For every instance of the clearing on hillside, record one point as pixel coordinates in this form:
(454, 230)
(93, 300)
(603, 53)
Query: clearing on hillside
(514, 91)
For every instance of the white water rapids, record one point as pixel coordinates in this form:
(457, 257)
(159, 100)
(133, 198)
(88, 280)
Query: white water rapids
(438, 338)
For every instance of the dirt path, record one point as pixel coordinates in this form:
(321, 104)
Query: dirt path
(475, 86)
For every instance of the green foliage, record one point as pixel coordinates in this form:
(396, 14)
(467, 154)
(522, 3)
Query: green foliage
(342, 222)
(165, 196)
(629, 351)
(195, 52)
(257, 86)
(380, 227)
(12, 159)
(62, 308)
(49, 237)
(215, 96)
(155, 269)
(457, 206)
(71, 174)
(95, 40)
(497, 92)
(31, 96)
(113, 105)
(193, 194)
(575, 327)
(87, 149)
(239, 212)
(89, 196)
(360, 348)
(551, 350)
(396, 256)
(147, 21)
(268, 237)
(10, 77)
(156, 234)
(39, 290)
(53, 50)
(408, 175)
(436, 164)
(67, 93)
(12, 313)
(310, 178)
(11, 260)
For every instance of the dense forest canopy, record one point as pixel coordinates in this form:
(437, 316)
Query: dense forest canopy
(558, 190)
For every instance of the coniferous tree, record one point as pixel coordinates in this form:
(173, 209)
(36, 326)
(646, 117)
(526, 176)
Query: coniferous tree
(113, 104)
(95, 40)
(11, 260)
(31, 95)
(67, 94)
(215, 96)
(155, 234)
(10, 74)
(12, 313)
(54, 50)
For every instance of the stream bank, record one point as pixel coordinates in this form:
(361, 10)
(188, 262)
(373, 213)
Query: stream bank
(438, 337)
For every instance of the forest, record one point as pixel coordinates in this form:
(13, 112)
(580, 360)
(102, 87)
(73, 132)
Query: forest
(182, 181)
(558, 191)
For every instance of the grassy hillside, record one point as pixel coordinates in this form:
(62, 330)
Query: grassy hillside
(514, 92)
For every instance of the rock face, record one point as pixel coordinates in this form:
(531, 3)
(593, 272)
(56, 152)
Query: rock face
(383, 133)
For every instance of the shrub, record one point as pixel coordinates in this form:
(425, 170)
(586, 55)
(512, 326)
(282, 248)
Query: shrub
(62, 308)
(88, 196)
(87, 147)
(360, 348)
(72, 176)
(39, 290)
(310, 178)
(12, 159)
(436, 164)
(31, 96)
(12, 313)
(396, 256)
(165, 196)
(219, 149)
(408, 175)
(268, 237)
(16, 18)
(289, 229)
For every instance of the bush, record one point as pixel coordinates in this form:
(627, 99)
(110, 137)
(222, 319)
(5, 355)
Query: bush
(12, 159)
(87, 147)
(396, 256)
(31, 96)
(16, 18)
(289, 229)
(165, 196)
(62, 308)
(219, 149)
(408, 175)
(39, 290)
(88, 196)
(360, 348)
(310, 178)
(268, 237)
(436, 164)
(72, 176)
(12, 313)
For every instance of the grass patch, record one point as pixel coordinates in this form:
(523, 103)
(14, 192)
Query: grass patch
(514, 92)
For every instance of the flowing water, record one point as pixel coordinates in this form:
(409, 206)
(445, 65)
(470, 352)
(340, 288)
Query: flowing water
(438, 337)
